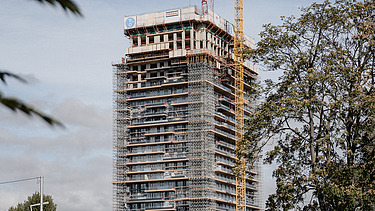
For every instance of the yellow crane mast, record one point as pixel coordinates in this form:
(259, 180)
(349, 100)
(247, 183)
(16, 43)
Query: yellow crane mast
(239, 103)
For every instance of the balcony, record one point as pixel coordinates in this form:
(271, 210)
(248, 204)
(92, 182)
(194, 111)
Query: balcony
(225, 134)
(148, 48)
(173, 156)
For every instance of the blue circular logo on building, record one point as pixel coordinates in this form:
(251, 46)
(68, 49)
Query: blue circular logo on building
(130, 22)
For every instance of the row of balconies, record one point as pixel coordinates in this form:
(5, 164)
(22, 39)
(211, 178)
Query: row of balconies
(221, 146)
(146, 198)
(159, 101)
(153, 140)
(160, 92)
(150, 84)
(226, 144)
(227, 118)
(227, 152)
(225, 134)
(158, 120)
(172, 152)
(161, 113)
(226, 99)
(170, 186)
(159, 204)
(151, 158)
(156, 176)
(225, 125)
(176, 135)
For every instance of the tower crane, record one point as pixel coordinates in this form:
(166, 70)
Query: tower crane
(239, 103)
(239, 97)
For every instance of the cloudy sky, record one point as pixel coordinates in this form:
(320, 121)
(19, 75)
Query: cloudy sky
(67, 62)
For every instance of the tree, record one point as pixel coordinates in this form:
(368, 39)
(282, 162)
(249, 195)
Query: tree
(321, 112)
(18, 105)
(35, 199)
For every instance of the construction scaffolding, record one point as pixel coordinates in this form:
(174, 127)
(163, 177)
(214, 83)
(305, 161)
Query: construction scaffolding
(120, 136)
(174, 115)
(201, 136)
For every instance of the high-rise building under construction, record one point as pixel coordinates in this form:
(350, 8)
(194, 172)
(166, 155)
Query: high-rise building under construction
(174, 119)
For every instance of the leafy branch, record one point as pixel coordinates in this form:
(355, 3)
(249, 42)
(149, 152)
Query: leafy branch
(67, 5)
(17, 105)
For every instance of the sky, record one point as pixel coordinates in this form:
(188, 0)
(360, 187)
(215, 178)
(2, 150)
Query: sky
(67, 63)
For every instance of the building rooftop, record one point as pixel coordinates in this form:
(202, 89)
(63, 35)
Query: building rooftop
(186, 14)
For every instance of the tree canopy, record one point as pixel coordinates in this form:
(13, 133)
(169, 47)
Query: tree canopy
(35, 199)
(320, 113)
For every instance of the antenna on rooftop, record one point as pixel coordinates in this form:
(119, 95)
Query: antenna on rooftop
(204, 7)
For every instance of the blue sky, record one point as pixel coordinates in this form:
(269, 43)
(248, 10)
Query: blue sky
(67, 61)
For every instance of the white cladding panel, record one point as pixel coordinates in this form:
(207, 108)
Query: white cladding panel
(172, 16)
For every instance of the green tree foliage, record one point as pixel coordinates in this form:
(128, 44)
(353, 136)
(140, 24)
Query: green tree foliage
(67, 5)
(35, 199)
(320, 114)
(18, 105)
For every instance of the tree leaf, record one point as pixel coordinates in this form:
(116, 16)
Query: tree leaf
(67, 5)
(17, 105)
(4, 74)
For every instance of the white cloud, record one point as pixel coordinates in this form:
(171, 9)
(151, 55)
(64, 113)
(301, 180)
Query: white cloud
(75, 112)
(75, 161)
